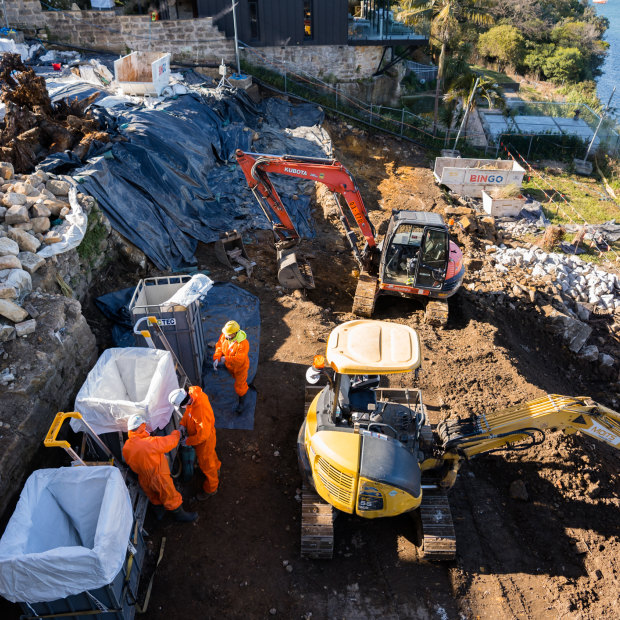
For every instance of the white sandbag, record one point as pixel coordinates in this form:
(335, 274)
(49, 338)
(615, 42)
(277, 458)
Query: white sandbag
(198, 286)
(124, 382)
(72, 230)
(68, 534)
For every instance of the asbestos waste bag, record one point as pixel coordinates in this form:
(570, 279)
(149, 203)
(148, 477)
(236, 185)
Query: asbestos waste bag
(68, 534)
(198, 286)
(125, 382)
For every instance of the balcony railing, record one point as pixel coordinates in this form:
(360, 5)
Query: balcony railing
(375, 21)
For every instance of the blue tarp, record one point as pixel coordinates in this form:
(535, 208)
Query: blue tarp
(224, 302)
(172, 180)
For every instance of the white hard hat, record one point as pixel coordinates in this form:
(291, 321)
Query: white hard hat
(177, 397)
(135, 421)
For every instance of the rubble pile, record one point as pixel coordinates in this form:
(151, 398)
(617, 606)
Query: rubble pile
(579, 280)
(33, 126)
(33, 209)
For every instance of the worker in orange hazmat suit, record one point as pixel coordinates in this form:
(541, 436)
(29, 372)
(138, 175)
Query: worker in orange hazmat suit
(199, 422)
(146, 456)
(233, 349)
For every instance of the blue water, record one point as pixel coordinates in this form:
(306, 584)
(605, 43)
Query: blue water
(611, 68)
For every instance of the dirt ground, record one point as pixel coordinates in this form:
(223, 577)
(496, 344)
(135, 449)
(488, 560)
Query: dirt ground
(515, 559)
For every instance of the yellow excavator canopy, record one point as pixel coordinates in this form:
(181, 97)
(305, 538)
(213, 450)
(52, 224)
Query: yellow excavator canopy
(373, 348)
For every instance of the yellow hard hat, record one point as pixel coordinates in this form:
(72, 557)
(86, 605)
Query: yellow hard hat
(232, 327)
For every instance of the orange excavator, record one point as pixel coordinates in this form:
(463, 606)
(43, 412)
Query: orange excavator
(416, 258)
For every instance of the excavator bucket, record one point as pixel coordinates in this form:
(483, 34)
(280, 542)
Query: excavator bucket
(293, 272)
(230, 251)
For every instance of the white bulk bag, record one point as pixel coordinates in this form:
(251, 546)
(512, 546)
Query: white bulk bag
(123, 382)
(68, 534)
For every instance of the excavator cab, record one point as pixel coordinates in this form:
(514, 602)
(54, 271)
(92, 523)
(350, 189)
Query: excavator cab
(415, 251)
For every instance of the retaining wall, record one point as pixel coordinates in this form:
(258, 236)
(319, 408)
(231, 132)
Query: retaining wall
(189, 40)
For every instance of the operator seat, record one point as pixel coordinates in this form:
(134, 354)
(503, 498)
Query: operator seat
(362, 392)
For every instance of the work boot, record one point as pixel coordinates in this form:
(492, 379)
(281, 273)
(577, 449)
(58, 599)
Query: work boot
(159, 512)
(241, 406)
(184, 517)
(203, 495)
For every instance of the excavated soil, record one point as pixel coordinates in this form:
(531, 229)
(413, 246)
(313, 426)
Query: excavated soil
(515, 558)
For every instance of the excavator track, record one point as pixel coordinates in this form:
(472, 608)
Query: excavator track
(439, 542)
(436, 312)
(365, 295)
(317, 526)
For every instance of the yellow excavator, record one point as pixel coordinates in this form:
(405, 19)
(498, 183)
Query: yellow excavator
(370, 451)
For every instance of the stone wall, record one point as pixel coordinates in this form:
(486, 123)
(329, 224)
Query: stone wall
(345, 63)
(195, 40)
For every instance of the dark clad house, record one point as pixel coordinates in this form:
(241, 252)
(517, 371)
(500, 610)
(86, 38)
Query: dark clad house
(263, 23)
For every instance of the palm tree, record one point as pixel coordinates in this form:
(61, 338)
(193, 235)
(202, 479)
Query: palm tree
(444, 17)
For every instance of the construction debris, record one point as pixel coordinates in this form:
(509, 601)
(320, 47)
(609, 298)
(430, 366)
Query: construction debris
(33, 126)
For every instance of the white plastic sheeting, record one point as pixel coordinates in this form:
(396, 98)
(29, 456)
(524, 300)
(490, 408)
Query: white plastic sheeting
(68, 534)
(124, 382)
(72, 230)
(197, 287)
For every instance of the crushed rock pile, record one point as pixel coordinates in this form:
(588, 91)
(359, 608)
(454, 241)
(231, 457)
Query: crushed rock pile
(579, 280)
(33, 212)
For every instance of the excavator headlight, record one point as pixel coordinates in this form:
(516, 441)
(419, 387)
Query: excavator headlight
(318, 362)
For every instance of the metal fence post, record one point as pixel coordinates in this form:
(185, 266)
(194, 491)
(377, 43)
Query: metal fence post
(337, 91)
(529, 148)
(285, 85)
(402, 122)
(371, 114)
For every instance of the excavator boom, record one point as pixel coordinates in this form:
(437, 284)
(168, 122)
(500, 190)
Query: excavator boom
(256, 168)
(492, 431)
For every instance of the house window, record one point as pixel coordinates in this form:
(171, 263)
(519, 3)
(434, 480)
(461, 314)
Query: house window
(307, 19)
(253, 10)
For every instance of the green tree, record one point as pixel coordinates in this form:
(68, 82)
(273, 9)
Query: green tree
(585, 36)
(536, 56)
(503, 43)
(564, 65)
(444, 17)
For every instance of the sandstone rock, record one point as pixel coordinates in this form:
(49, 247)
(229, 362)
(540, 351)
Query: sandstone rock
(12, 311)
(466, 223)
(26, 327)
(23, 226)
(25, 188)
(8, 246)
(42, 176)
(606, 360)
(451, 211)
(3, 210)
(7, 332)
(518, 490)
(14, 283)
(11, 199)
(40, 224)
(52, 237)
(9, 261)
(32, 200)
(17, 214)
(65, 211)
(55, 206)
(39, 210)
(58, 188)
(26, 242)
(6, 170)
(589, 353)
(30, 261)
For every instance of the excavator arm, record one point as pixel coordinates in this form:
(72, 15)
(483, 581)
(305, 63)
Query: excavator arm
(257, 167)
(527, 423)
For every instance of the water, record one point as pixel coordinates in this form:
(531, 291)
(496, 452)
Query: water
(611, 68)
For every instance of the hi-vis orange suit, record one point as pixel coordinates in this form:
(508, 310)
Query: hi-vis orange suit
(146, 455)
(236, 352)
(200, 424)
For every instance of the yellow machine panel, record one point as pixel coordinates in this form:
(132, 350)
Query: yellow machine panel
(389, 500)
(373, 347)
(334, 460)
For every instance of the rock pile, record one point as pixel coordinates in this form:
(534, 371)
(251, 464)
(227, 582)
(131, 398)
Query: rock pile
(32, 209)
(583, 282)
